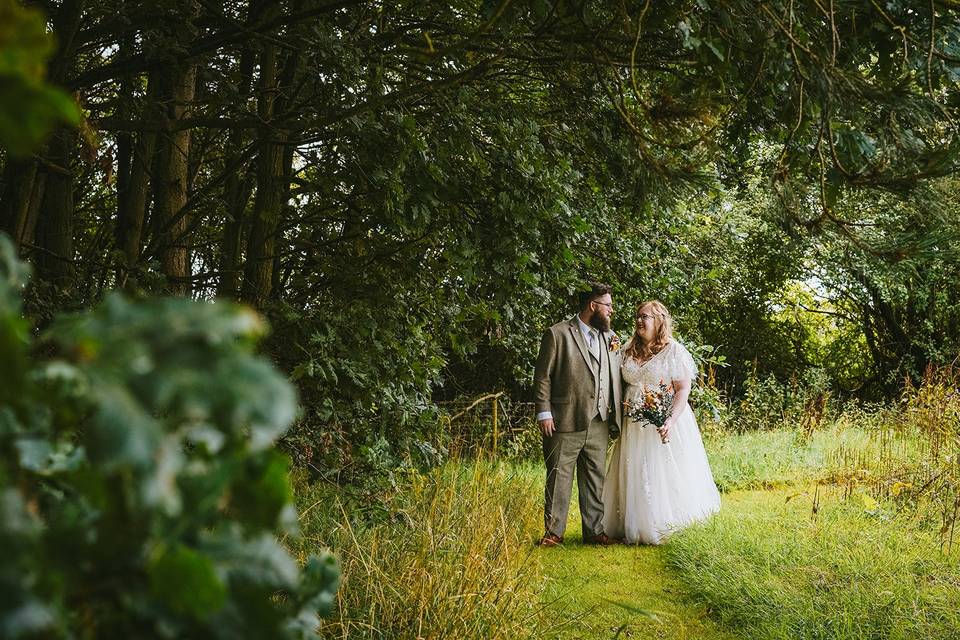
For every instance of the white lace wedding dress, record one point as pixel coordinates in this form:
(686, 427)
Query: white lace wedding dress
(651, 488)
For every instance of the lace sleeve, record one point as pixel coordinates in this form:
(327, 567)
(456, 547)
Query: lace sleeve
(680, 364)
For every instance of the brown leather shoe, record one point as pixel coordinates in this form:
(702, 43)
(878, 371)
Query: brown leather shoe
(601, 539)
(550, 540)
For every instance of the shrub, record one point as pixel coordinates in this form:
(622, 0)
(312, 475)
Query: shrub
(709, 403)
(139, 488)
(768, 403)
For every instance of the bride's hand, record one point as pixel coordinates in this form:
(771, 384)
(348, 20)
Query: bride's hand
(664, 432)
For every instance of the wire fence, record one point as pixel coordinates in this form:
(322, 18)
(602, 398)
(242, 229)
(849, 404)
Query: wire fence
(492, 423)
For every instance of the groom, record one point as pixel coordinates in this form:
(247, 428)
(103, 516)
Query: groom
(577, 394)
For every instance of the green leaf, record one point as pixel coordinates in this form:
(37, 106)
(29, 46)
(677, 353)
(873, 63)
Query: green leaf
(259, 561)
(262, 494)
(187, 582)
(34, 453)
(716, 51)
(120, 433)
(28, 113)
(319, 582)
(24, 42)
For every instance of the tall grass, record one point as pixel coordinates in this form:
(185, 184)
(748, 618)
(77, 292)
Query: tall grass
(856, 539)
(907, 449)
(912, 459)
(453, 559)
(776, 570)
(850, 540)
(771, 459)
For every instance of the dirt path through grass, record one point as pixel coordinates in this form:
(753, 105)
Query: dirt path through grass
(595, 592)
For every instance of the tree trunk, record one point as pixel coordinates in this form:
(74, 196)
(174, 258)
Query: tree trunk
(274, 167)
(25, 181)
(171, 182)
(27, 232)
(258, 270)
(54, 257)
(134, 155)
(133, 203)
(54, 226)
(133, 200)
(19, 181)
(276, 285)
(236, 193)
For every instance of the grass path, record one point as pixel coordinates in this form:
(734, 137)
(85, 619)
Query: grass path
(595, 592)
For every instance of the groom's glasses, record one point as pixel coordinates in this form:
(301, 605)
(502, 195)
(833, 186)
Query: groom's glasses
(606, 304)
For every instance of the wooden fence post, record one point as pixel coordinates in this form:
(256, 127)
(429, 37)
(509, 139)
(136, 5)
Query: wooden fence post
(496, 433)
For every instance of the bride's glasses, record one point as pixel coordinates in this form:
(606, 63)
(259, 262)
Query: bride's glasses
(645, 316)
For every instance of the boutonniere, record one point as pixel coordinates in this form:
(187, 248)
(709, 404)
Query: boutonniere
(614, 342)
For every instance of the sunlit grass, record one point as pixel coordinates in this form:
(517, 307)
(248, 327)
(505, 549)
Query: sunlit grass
(764, 459)
(841, 452)
(852, 539)
(453, 559)
(774, 569)
(592, 592)
(600, 592)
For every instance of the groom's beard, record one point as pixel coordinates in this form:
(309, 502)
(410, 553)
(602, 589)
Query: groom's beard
(599, 322)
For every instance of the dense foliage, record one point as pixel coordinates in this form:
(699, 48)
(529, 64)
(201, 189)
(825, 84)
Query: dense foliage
(139, 491)
(411, 191)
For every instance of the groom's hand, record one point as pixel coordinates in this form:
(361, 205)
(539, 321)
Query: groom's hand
(546, 426)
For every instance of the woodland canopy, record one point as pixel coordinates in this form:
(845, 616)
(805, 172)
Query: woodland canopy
(411, 192)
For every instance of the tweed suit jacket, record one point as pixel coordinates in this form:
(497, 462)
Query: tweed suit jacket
(564, 382)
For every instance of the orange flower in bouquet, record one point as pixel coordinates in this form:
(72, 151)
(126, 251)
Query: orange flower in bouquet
(653, 407)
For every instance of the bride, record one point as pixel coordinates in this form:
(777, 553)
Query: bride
(657, 482)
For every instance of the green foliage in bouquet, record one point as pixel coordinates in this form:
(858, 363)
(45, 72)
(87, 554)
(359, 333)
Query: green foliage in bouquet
(140, 494)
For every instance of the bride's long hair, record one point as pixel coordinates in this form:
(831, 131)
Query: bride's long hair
(662, 331)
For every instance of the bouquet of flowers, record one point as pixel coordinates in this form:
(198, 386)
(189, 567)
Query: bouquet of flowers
(654, 407)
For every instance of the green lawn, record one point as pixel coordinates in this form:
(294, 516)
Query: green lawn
(592, 592)
(771, 459)
(598, 592)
